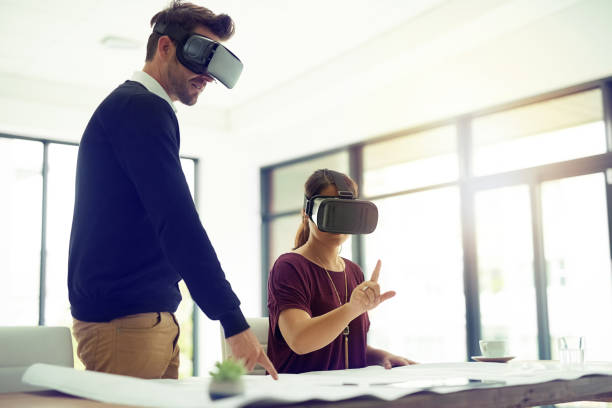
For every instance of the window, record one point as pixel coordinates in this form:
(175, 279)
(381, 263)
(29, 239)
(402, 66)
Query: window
(505, 269)
(20, 233)
(23, 228)
(545, 132)
(414, 227)
(418, 240)
(409, 162)
(287, 187)
(577, 251)
(60, 204)
(186, 310)
(491, 225)
(282, 235)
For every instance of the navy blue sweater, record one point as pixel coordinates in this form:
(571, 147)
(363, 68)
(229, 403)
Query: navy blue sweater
(135, 229)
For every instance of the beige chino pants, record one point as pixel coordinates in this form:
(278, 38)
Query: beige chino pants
(142, 345)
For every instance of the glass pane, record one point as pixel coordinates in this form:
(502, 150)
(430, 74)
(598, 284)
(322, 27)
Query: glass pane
(418, 240)
(411, 161)
(60, 206)
(282, 236)
(184, 316)
(184, 313)
(188, 166)
(20, 230)
(287, 184)
(577, 250)
(560, 129)
(505, 269)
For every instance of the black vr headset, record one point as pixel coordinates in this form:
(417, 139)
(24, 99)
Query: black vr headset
(203, 55)
(343, 214)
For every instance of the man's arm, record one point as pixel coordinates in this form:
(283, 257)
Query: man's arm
(145, 141)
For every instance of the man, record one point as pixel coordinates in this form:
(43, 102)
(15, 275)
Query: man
(135, 231)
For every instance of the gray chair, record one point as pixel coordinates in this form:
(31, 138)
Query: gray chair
(22, 346)
(259, 325)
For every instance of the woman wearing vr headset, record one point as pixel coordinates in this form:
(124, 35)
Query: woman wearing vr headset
(318, 301)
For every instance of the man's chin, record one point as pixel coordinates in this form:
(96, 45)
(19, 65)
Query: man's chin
(190, 100)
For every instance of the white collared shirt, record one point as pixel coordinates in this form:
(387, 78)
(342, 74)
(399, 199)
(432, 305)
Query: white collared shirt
(152, 86)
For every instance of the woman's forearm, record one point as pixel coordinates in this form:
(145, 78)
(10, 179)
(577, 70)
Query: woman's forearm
(308, 335)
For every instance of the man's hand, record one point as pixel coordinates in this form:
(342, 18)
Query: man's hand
(367, 296)
(245, 347)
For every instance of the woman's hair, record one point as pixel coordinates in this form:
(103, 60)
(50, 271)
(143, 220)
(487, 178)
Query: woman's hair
(317, 182)
(188, 16)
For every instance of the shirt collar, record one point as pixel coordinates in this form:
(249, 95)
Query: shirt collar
(152, 86)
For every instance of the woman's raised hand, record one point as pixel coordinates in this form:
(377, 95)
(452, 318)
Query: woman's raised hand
(366, 296)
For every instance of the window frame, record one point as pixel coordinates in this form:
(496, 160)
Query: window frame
(43, 260)
(468, 185)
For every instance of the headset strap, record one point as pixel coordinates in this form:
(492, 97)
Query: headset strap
(307, 206)
(344, 190)
(174, 31)
(338, 179)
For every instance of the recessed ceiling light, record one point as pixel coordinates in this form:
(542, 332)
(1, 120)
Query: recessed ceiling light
(116, 42)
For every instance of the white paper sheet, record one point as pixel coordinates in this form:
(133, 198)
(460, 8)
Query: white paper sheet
(325, 385)
(116, 389)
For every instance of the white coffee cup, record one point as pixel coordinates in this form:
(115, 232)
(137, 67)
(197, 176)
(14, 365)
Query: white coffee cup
(493, 348)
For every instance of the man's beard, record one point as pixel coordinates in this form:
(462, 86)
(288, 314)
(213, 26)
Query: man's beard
(180, 85)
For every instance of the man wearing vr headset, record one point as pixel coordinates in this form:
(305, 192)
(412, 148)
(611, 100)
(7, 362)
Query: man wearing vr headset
(317, 300)
(136, 232)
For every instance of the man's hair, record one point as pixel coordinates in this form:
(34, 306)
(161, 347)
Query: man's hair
(188, 16)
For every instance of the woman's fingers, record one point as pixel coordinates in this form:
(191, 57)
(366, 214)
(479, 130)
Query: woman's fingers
(387, 295)
(376, 272)
(371, 289)
(371, 294)
(368, 295)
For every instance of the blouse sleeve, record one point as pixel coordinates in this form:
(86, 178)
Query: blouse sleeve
(288, 288)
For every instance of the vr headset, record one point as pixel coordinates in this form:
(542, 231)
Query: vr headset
(203, 55)
(343, 214)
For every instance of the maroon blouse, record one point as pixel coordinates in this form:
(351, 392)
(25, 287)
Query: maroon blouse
(297, 283)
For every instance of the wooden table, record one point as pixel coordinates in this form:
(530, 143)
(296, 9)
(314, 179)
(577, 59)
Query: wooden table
(590, 388)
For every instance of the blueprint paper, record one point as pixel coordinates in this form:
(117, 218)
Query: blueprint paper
(335, 385)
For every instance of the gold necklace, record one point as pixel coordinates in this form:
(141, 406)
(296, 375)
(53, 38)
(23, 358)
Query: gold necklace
(346, 330)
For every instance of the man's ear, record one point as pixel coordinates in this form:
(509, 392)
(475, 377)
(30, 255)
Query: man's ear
(165, 47)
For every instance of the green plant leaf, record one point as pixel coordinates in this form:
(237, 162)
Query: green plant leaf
(228, 370)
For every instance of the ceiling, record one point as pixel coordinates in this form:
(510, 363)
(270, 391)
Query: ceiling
(61, 41)
(330, 71)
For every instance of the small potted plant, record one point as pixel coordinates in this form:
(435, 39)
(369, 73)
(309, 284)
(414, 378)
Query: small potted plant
(227, 380)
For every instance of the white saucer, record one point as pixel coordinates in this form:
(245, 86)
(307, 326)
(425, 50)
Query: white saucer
(484, 359)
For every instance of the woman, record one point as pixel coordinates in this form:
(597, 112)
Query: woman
(318, 301)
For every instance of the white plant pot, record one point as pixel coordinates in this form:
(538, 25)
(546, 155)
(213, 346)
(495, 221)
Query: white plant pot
(224, 389)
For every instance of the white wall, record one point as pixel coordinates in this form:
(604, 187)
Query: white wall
(450, 70)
